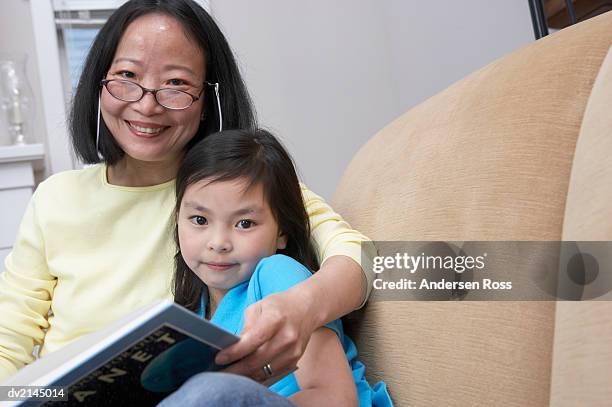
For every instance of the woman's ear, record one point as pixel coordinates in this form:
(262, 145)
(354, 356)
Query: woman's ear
(281, 241)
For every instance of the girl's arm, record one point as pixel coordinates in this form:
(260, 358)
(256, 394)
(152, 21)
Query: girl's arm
(277, 328)
(323, 373)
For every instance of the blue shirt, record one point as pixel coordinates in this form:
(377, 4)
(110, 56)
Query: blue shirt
(276, 274)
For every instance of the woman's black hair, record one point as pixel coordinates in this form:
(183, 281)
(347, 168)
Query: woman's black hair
(220, 65)
(259, 158)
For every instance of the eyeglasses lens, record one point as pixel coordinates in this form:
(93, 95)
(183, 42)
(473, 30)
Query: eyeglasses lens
(124, 90)
(174, 99)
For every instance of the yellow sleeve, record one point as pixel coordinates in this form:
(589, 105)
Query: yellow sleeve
(333, 236)
(26, 288)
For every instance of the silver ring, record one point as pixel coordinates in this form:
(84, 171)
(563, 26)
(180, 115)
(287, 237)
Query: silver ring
(268, 370)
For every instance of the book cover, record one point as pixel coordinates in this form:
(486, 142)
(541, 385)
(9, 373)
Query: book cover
(138, 360)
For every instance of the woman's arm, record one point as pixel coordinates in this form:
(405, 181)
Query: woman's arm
(335, 290)
(332, 237)
(277, 328)
(26, 288)
(323, 374)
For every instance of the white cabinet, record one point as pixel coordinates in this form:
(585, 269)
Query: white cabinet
(16, 186)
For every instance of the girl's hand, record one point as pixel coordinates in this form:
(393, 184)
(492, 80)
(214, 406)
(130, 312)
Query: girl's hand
(276, 332)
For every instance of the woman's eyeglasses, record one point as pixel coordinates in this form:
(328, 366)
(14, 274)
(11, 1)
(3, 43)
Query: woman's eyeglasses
(128, 91)
(169, 98)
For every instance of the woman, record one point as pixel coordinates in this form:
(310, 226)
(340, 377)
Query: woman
(96, 243)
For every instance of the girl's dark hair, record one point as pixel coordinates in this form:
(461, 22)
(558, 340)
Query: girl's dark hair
(258, 157)
(220, 68)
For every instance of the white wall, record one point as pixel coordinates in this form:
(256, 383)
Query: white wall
(319, 74)
(326, 75)
(435, 43)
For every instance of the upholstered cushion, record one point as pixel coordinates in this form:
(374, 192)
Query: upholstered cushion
(489, 158)
(582, 358)
(588, 213)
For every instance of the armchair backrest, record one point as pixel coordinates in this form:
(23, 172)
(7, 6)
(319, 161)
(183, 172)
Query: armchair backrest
(489, 158)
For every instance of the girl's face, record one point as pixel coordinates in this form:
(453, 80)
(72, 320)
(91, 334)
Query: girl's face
(155, 53)
(224, 230)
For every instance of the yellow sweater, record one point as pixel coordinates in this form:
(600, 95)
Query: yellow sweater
(92, 252)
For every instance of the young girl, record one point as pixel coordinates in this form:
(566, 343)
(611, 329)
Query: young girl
(243, 235)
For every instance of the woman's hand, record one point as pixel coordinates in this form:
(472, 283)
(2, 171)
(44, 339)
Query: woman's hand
(276, 332)
(278, 328)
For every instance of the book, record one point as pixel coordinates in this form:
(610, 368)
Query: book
(138, 360)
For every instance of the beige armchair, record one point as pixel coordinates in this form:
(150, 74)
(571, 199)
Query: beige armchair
(519, 150)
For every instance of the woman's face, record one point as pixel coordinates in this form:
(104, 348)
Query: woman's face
(155, 53)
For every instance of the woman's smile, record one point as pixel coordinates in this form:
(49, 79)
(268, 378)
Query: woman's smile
(147, 130)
